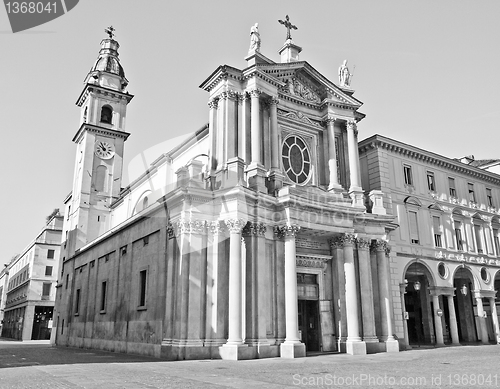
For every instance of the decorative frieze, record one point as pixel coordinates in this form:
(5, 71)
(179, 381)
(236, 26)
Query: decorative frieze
(295, 87)
(191, 227)
(286, 230)
(307, 261)
(235, 225)
(297, 116)
(254, 229)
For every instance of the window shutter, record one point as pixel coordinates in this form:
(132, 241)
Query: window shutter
(413, 225)
(437, 224)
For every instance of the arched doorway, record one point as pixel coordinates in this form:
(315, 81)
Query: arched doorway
(465, 305)
(418, 305)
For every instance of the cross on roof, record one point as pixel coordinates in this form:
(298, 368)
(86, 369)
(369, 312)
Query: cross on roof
(110, 31)
(289, 26)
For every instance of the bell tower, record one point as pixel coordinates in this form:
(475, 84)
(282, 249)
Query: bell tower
(100, 142)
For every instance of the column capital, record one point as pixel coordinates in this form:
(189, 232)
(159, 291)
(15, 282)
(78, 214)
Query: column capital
(170, 231)
(235, 225)
(348, 239)
(352, 126)
(329, 119)
(286, 230)
(191, 227)
(213, 103)
(255, 93)
(229, 95)
(254, 229)
(216, 227)
(336, 243)
(363, 243)
(273, 100)
(380, 245)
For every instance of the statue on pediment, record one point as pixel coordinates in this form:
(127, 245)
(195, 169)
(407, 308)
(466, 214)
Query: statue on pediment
(254, 38)
(344, 75)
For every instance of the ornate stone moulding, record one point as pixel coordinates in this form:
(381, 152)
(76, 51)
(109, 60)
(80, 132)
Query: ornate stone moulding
(299, 116)
(311, 260)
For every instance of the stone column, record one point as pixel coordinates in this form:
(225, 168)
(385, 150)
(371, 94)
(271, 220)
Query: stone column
(291, 347)
(212, 131)
(233, 349)
(402, 291)
(453, 320)
(257, 288)
(384, 284)
(482, 319)
(354, 344)
(366, 292)
(438, 323)
(332, 155)
(256, 171)
(276, 178)
(337, 250)
(355, 190)
(494, 316)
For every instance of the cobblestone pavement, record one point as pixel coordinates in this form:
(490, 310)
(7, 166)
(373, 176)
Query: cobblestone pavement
(38, 365)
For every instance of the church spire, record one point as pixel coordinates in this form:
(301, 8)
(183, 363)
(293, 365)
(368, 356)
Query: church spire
(107, 70)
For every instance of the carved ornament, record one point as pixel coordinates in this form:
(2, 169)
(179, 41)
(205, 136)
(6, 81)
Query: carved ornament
(363, 244)
(348, 239)
(254, 229)
(297, 116)
(235, 225)
(191, 227)
(296, 88)
(286, 230)
(336, 243)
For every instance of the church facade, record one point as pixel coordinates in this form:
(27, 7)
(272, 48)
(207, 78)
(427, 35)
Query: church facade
(253, 238)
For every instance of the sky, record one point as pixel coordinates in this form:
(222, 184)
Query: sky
(428, 73)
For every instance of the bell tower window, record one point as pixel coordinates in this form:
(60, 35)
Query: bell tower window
(106, 114)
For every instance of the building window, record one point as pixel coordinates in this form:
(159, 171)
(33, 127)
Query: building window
(46, 289)
(296, 159)
(458, 236)
(77, 302)
(106, 114)
(443, 270)
(437, 231)
(479, 240)
(431, 183)
(413, 227)
(145, 202)
(103, 295)
(496, 241)
(408, 175)
(67, 281)
(485, 276)
(451, 184)
(48, 270)
(472, 198)
(142, 288)
(489, 198)
(50, 254)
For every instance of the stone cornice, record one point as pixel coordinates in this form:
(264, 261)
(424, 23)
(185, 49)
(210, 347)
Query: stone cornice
(100, 131)
(408, 151)
(223, 72)
(89, 88)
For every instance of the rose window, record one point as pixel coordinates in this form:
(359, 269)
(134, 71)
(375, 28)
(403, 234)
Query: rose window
(296, 159)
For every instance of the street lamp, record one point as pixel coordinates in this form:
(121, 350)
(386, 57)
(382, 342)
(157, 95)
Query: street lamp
(416, 285)
(463, 289)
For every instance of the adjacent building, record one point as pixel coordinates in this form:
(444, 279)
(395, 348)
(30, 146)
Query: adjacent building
(28, 283)
(446, 267)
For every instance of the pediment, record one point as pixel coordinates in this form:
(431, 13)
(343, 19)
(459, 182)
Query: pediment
(301, 81)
